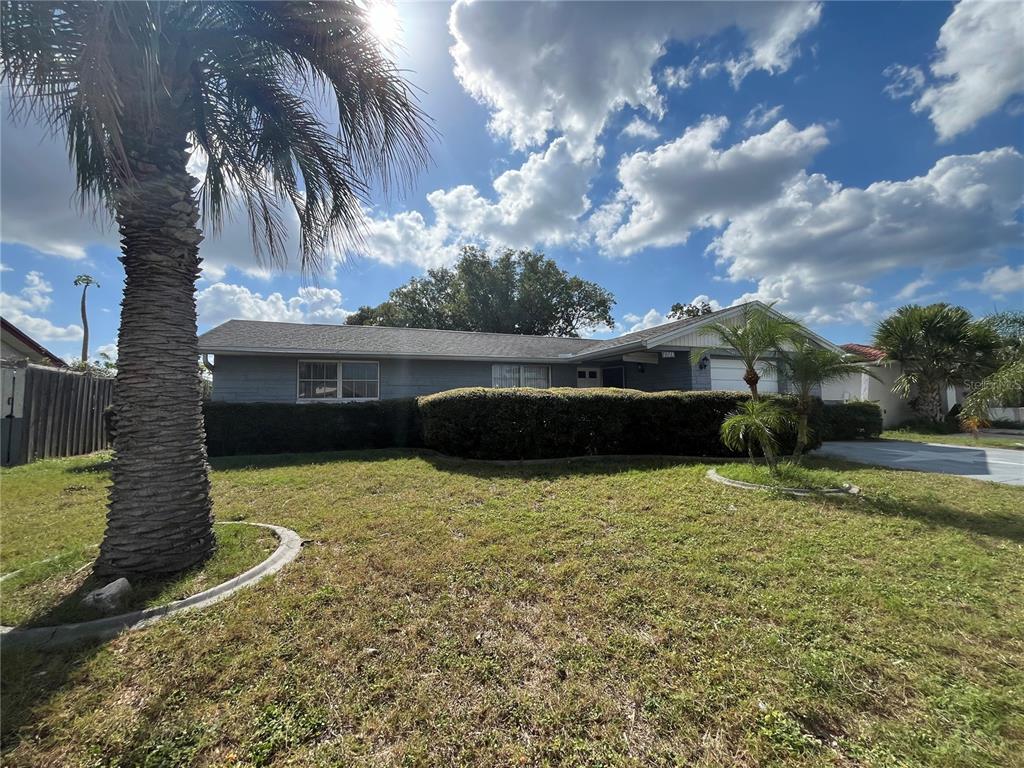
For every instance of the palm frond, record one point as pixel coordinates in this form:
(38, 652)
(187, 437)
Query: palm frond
(755, 422)
(245, 82)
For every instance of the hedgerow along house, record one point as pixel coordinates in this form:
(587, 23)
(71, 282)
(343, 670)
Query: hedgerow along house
(257, 361)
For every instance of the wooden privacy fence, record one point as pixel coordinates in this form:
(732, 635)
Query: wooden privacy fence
(49, 412)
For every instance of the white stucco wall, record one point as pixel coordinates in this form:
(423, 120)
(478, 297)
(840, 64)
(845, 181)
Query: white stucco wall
(895, 410)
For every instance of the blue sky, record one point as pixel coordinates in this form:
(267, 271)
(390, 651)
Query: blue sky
(841, 159)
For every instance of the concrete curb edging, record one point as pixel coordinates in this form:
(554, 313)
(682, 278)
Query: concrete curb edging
(853, 490)
(288, 548)
(586, 458)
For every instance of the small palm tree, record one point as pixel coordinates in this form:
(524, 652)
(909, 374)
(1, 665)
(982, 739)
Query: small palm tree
(132, 85)
(85, 281)
(756, 423)
(808, 366)
(759, 335)
(1005, 385)
(936, 346)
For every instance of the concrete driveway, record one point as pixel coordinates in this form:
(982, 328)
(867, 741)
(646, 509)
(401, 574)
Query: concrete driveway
(998, 465)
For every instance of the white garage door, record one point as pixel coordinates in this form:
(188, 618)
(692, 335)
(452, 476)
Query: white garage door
(727, 374)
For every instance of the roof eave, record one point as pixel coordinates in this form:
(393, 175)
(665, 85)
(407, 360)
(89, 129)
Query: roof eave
(326, 353)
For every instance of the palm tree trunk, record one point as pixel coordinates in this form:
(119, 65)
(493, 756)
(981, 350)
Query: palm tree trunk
(929, 400)
(801, 436)
(159, 519)
(751, 378)
(85, 330)
(769, 457)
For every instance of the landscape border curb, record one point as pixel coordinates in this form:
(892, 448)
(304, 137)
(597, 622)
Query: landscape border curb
(588, 457)
(288, 548)
(853, 490)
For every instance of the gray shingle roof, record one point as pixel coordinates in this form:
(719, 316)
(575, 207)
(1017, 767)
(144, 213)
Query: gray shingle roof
(255, 336)
(299, 338)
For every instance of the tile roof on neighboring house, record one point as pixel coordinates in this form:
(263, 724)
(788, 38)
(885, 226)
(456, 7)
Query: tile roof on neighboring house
(262, 337)
(863, 350)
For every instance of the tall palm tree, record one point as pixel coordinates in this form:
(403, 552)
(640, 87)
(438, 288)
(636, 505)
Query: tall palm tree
(936, 346)
(132, 84)
(756, 423)
(759, 335)
(808, 366)
(85, 281)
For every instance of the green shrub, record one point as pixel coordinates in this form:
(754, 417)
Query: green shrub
(242, 428)
(848, 421)
(544, 423)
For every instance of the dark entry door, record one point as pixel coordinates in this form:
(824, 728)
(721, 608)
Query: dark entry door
(613, 377)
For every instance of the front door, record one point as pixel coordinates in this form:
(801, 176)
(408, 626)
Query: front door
(588, 377)
(613, 377)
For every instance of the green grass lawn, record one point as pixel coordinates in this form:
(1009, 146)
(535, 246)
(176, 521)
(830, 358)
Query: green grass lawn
(956, 438)
(50, 592)
(787, 475)
(615, 613)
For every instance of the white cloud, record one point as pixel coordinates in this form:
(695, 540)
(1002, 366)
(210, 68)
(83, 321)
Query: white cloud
(816, 246)
(565, 67)
(653, 317)
(704, 298)
(903, 80)
(690, 183)
(539, 203)
(913, 289)
(814, 297)
(24, 308)
(407, 238)
(108, 351)
(761, 116)
(1000, 282)
(225, 301)
(649, 319)
(37, 185)
(40, 211)
(682, 78)
(977, 67)
(640, 129)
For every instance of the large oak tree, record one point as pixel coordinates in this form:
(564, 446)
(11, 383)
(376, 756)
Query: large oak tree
(516, 292)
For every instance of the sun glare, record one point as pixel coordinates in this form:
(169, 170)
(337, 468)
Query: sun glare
(384, 22)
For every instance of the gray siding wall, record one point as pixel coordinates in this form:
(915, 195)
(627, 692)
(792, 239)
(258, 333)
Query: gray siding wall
(273, 379)
(668, 373)
(254, 379)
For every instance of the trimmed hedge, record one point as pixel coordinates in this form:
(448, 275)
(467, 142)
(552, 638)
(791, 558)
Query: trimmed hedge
(546, 423)
(242, 428)
(848, 421)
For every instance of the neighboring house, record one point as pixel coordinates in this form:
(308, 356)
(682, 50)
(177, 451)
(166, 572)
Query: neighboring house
(17, 351)
(895, 409)
(258, 361)
(18, 346)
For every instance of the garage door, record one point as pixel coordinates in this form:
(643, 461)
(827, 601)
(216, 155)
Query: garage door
(727, 374)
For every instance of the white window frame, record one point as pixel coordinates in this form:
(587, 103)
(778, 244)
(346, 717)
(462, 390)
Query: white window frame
(338, 370)
(521, 366)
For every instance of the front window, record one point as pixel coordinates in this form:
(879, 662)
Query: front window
(326, 380)
(359, 380)
(503, 375)
(318, 381)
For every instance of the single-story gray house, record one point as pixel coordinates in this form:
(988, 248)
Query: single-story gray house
(257, 361)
